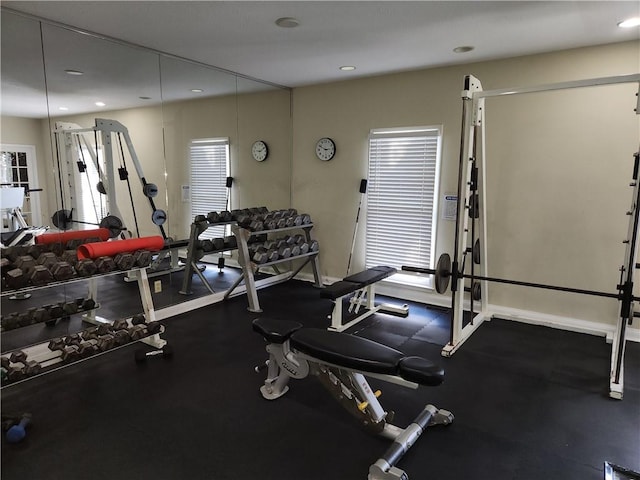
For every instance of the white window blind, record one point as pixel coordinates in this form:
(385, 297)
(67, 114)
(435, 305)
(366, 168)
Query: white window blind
(209, 160)
(402, 196)
(91, 205)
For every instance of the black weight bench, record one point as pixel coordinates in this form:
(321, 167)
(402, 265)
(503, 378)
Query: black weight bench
(341, 361)
(361, 287)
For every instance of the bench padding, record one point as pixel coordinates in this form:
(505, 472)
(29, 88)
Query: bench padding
(371, 275)
(356, 281)
(421, 371)
(347, 350)
(274, 330)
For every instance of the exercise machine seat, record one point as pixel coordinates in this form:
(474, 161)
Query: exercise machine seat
(421, 371)
(347, 350)
(371, 275)
(274, 330)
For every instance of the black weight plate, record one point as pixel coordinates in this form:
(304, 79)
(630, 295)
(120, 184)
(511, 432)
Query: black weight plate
(62, 219)
(113, 224)
(476, 291)
(443, 272)
(476, 252)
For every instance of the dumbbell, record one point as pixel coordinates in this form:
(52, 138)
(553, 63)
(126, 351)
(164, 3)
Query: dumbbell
(218, 243)
(105, 264)
(230, 242)
(15, 278)
(70, 256)
(142, 258)
(86, 267)
(29, 367)
(205, 245)
(47, 259)
(40, 275)
(9, 322)
(213, 217)
(58, 248)
(37, 249)
(304, 248)
(284, 251)
(18, 432)
(142, 355)
(68, 352)
(124, 261)
(225, 216)
(266, 256)
(70, 307)
(62, 271)
(12, 253)
(295, 250)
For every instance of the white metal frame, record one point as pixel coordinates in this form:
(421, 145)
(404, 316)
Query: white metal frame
(105, 128)
(473, 126)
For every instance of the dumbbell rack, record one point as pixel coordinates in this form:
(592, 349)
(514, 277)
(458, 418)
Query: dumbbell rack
(191, 266)
(249, 268)
(46, 358)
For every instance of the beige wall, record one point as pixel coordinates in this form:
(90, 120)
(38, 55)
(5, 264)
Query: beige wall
(558, 167)
(558, 163)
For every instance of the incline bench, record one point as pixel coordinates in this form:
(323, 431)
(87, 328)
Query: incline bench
(340, 361)
(362, 286)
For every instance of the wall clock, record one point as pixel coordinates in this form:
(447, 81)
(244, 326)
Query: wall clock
(325, 149)
(259, 150)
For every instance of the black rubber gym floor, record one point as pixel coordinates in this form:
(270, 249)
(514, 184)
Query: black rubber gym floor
(530, 402)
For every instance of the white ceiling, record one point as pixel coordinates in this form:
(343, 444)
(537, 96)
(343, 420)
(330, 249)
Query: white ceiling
(376, 37)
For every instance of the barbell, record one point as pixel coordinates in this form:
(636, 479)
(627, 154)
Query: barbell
(63, 219)
(443, 273)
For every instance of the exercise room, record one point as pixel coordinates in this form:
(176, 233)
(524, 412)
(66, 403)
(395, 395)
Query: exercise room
(320, 240)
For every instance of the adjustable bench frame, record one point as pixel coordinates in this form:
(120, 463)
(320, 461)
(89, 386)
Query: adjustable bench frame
(294, 353)
(361, 288)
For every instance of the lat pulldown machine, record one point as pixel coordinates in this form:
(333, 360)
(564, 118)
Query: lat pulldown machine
(71, 142)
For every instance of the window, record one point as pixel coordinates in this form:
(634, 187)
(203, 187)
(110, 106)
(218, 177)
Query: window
(402, 198)
(209, 159)
(17, 169)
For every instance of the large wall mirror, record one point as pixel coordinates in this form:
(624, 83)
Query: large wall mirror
(98, 115)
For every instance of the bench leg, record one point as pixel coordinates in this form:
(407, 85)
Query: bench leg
(385, 467)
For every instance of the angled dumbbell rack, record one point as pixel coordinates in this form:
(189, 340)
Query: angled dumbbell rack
(51, 360)
(191, 265)
(250, 269)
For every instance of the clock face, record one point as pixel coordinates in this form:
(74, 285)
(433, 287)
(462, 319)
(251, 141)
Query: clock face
(259, 151)
(325, 149)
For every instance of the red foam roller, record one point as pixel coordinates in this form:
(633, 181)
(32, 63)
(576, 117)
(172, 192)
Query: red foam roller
(101, 249)
(63, 237)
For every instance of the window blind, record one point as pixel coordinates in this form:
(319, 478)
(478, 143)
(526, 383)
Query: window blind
(209, 160)
(402, 197)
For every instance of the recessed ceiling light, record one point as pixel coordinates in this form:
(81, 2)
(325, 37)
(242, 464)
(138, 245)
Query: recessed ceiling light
(197, 90)
(463, 49)
(100, 104)
(630, 22)
(63, 108)
(347, 68)
(144, 98)
(287, 22)
(73, 72)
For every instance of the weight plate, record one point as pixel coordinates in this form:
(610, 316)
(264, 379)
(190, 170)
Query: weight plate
(150, 190)
(100, 188)
(476, 252)
(113, 224)
(443, 272)
(159, 216)
(62, 219)
(476, 291)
